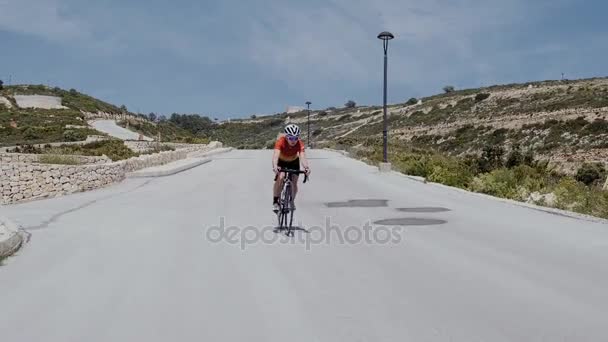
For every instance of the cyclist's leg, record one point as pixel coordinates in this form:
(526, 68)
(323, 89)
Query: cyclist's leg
(294, 186)
(294, 179)
(276, 192)
(278, 183)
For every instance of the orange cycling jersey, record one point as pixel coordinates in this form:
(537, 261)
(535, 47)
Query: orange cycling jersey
(288, 152)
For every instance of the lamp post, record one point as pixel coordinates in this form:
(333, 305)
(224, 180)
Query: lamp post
(308, 103)
(385, 37)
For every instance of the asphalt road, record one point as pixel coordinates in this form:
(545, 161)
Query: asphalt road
(141, 261)
(110, 127)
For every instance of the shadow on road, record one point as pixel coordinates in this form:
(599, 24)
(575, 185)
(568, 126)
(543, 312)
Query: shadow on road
(293, 229)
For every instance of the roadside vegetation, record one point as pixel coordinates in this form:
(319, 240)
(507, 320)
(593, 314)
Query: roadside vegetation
(514, 174)
(113, 149)
(33, 126)
(169, 132)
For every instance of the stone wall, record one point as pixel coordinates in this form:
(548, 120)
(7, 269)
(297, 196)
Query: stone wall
(35, 158)
(113, 116)
(142, 162)
(23, 181)
(140, 146)
(94, 138)
(143, 146)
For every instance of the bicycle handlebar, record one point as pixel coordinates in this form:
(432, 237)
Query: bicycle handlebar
(295, 172)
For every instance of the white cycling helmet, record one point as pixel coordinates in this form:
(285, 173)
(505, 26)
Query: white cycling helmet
(292, 130)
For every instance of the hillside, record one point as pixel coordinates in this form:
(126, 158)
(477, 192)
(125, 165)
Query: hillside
(22, 123)
(565, 122)
(561, 121)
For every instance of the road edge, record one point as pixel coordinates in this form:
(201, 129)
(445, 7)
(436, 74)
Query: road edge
(549, 210)
(14, 240)
(197, 159)
(146, 174)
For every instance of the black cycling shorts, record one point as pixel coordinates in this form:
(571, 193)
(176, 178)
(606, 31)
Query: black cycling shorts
(293, 165)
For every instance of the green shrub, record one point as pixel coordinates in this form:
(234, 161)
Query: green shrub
(350, 104)
(451, 174)
(529, 157)
(598, 126)
(57, 159)
(412, 101)
(571, 195)
(28, 149)
(532, 179)
(515, 157)
(73, 135)
(491, 158)
(517, 183)
(418, 166)
(195, 140)
(32, 133)
(481, 96)
(590, 173)
(113, 149)
(500, 182)
(448, 89)
(497, 137)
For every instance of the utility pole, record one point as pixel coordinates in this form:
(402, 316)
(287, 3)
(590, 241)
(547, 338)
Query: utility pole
(385, 165)
(308, 103)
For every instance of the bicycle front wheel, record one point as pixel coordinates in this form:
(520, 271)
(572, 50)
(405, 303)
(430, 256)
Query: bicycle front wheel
(284, 205)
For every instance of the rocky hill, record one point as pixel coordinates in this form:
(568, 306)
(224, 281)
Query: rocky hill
(37, 114)
(565, 122)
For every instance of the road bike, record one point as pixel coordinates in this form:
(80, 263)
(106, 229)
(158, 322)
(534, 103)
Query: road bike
(285, 213)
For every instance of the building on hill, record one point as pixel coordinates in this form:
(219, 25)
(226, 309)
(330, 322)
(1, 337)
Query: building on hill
(293, 109)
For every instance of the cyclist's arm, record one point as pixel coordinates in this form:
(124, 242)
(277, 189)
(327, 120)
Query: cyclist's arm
(275, 159)
(303, 160)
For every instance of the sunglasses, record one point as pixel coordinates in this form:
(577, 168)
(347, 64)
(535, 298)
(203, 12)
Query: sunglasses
(290, 138)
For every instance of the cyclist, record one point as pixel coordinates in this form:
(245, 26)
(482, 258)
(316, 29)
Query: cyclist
(289, 154)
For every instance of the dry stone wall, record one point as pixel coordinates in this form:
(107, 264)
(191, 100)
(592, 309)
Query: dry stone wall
(24, 179)
(113, 116)
(143, 146)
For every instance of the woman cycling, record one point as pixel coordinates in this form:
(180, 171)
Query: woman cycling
(288, 154)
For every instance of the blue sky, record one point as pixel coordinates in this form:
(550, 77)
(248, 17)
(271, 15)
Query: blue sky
(236, 58)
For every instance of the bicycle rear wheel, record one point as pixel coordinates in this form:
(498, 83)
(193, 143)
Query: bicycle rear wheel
(280, 216)
(288, 211)
(283, 207)
(290, 216)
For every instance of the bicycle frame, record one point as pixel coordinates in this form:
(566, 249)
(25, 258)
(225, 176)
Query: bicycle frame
(285, 200)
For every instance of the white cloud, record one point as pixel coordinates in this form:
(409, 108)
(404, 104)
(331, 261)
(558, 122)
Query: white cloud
(338, 41)
(42, 18)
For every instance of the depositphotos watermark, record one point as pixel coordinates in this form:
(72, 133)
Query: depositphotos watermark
(306, 236)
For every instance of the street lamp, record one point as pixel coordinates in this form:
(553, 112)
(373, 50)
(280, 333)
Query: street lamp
(385, 37)
(308, 103)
